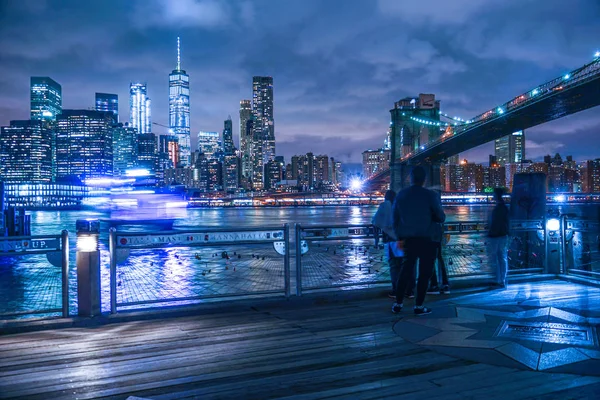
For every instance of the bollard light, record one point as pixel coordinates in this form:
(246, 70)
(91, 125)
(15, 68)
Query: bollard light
(553, 225)
(88, 231)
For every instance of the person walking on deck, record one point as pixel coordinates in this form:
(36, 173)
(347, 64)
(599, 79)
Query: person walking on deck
(498, 238)
(384, 221)
(416, 211)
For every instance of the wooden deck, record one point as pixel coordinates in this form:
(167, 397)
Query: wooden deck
(329, 349)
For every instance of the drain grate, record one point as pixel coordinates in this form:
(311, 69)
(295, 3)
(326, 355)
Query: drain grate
(549, 332)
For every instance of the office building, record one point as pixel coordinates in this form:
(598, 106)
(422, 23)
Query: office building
(84, 144)
(464, 177)
(590, 176)
(26, 152)
(303, 171)
(263, 136)
(208, 143)
(375, 161)
(231, 173)
(179, 109)
(273, 174)
(147, 154)
(228, 146)
(510, 148)
(125, 148)
(168, 150)
(45, 98)
(246, 126)
(140, 115)
(108, 102)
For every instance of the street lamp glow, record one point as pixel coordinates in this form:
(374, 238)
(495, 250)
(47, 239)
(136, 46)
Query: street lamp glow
(560, 198)
(553, 224)
(356, 184)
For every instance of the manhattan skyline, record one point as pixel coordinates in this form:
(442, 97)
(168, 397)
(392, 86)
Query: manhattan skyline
(337, 70)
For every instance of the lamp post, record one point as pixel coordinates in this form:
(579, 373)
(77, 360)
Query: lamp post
(88, 267)
(554, 238)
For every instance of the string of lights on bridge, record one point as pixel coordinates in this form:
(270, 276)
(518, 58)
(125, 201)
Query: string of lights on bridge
(499, 110)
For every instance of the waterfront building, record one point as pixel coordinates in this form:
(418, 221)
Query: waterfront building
(322, 173)
(231, 173)
(273, 174)
(464, 177)
(263, 129)
(590, 176)
(125, 148)
(179, 109)
(339, 173)
(510, 148)
(26, 152)
(246, 138)
(140, 115)
(84, 144)
(168, 151)
(45, 98)
(494, 177)
(108, 102)
(303, 171)
(228, 146)
(375, 161)
(180, 176)
(147, 154)
(208, 143)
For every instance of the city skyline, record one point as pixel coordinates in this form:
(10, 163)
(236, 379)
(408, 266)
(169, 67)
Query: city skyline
(329, 97)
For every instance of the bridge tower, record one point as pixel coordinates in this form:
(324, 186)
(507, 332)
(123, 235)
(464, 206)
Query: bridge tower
(408, 135)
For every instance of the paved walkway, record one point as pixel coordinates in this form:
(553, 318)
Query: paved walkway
(333, 346)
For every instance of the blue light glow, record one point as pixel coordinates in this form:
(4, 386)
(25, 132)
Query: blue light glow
(500, 110)
(356, 184)
(553, 224)
(535, 91)
(597, 54)
(567, 76)
(560, 198)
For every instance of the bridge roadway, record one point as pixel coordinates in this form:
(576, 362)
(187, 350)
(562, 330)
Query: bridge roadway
(574, 97)
(345, 345)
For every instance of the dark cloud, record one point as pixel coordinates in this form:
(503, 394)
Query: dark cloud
(338, 65)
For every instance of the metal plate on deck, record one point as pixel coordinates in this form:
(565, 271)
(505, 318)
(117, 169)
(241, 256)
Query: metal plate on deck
(549, 332)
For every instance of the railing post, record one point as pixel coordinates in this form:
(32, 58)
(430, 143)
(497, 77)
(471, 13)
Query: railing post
(563, 245)
(64, 237)
(112, 249)
(88, 268)
(286, 260)
(298, 237)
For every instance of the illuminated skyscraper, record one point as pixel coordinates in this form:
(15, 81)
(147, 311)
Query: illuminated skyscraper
(228, 146)
(84, 144)
(208, 143)
(264, 127)
(125, 148)
(46, 98)
(510, 149)
(179, 109)
(108, 102)
(26, 152)
(140, 116)
(245, 138)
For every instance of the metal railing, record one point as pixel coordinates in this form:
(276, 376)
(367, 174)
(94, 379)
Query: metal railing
(330, 256)
(56, 250)
(176, 275)
(581, 247)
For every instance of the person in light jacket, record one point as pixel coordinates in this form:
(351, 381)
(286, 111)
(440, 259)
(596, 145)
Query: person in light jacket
(383, 219)
(498, 238)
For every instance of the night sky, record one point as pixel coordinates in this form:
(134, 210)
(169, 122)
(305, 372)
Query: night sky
(338, 65)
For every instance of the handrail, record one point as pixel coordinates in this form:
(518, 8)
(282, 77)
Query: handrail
(125, 241)
(27, 246)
